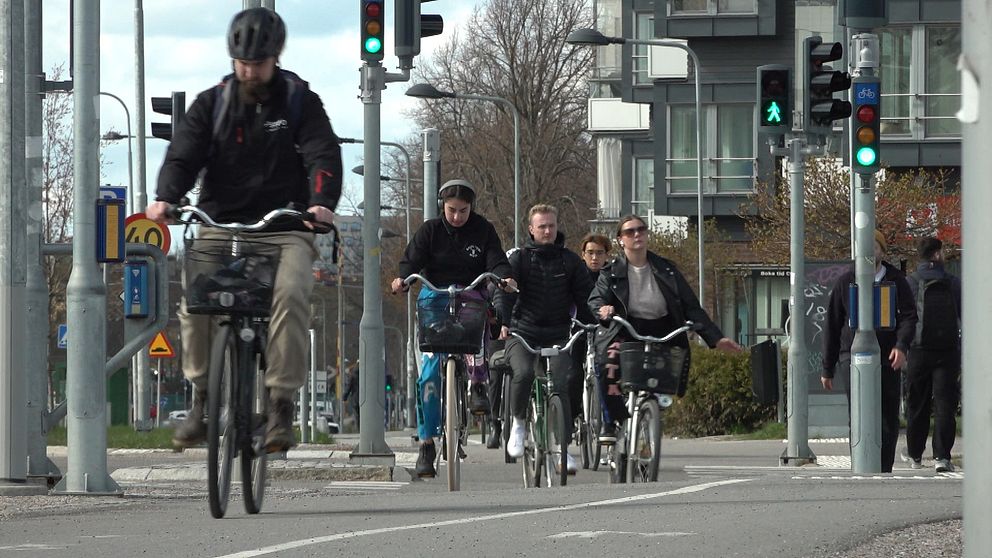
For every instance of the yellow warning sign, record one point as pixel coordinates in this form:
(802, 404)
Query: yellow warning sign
(160, 347)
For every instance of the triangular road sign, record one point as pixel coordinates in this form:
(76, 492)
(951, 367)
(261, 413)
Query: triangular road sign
(160, 347)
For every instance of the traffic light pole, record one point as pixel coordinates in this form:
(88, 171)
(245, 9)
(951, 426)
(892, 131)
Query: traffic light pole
(797, 451)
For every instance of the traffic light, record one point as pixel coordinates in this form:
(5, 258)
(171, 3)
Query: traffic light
(411, 26)
(865, 121)
(389, 382)
(774, 99)
(820, 108)
(174, 106)
(373, 18)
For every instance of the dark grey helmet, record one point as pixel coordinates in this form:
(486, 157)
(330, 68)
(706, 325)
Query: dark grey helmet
(256, 34)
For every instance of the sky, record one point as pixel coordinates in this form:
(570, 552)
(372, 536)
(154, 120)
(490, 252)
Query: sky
(186, 50)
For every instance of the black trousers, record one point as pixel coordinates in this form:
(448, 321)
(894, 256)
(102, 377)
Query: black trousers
(891, 395)
(523, 363)
(932, 376)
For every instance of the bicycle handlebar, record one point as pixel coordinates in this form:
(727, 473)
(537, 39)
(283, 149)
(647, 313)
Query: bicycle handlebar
(549, 351)
(584, 327)
(452, 290)
(190, 211)
(688, 325)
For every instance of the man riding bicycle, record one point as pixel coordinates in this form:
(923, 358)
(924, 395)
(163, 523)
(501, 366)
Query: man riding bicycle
(552, 281)
(262, 140)
(452, 249)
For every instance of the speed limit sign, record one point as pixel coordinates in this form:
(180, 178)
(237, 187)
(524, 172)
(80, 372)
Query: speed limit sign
(139, 228)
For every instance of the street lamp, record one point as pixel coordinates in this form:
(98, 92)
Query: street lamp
(595, 38)
(114, 136)
(428, 91)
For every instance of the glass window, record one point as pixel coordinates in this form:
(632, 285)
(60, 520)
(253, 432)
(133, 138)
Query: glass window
(735, 148)
(682, 149)
(689, 6)
(736, 7)
(642, 200)
(714, 7)
(943, 86)
(897, 53)
(644, 30)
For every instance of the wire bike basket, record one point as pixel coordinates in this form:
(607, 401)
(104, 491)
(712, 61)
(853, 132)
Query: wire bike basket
(654, 367)
(440, 331)
(220, 283)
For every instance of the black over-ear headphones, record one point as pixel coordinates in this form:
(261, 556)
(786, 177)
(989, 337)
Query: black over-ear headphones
(456, 183)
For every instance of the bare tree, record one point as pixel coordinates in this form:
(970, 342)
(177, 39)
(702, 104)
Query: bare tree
(516, 50)
(57, 190)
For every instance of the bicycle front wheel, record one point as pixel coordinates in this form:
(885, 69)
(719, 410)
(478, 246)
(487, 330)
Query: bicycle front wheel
(254, 458)
(593, 423)
(506, 417)
(221, 426)
(533, 458)
(555, 464)
(452, 417)
(646, 449)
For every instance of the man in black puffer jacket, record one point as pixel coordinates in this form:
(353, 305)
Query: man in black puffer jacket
(552, 281)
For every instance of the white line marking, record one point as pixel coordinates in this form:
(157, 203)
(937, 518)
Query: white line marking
(594, 534)
(462, 521)
(366, 485)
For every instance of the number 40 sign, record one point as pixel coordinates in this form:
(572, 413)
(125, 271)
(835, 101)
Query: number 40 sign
(139, 228)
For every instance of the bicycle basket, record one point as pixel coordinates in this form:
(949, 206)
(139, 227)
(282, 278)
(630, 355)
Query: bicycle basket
(442, 332)
(653, 367)
(219, 283)
(498, 360)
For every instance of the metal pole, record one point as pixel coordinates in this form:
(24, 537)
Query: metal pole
(86, 385)
(372, 446)
(13, 246)
(339, 381)
(432, 163)
(313, 383)
(140, 363)
(36, 344)
(158, 395)
(976, 60)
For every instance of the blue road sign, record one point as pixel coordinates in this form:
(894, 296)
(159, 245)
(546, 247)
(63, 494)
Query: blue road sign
(63, 333)
(113, 193)
(866, 93)
(136, 290)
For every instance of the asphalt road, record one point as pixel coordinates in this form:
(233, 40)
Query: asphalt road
(714, 498)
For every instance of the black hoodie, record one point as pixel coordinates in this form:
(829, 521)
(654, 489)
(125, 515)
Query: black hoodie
(449, 255)
(552, 281)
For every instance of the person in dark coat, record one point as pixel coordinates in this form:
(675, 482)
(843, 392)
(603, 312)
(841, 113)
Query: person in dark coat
(648, 291)
(893, 345)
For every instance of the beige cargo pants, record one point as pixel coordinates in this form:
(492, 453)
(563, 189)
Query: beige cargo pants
(287, 348)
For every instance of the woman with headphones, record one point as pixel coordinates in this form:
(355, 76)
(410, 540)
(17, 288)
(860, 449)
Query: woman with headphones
(452, 249)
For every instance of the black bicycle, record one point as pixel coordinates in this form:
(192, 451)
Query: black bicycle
(589, 423)
(232, 279)
(651, 372)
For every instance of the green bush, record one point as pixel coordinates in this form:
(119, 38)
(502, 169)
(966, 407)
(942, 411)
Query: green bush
(719, 398)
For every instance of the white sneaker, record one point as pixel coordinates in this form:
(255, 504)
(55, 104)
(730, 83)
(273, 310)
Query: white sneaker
(570, 464)
(515, 445)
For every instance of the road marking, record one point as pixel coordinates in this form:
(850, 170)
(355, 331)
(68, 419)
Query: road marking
(462, 521)
(937, 476)
(594, 534)
(366, 485)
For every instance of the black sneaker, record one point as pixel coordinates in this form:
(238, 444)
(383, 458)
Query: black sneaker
(479, 401)
(425, 461)
(609, 434)
(495, 436)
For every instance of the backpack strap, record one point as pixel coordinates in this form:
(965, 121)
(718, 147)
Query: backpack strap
(296, 87)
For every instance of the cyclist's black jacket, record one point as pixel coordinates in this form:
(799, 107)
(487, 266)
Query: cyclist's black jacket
(449, 255)
(256, 161)
(553, 280)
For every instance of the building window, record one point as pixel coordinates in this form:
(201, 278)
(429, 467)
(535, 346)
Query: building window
(644, 30)
(728, 149)
(920, 85)
(713, 7)
(642, 198)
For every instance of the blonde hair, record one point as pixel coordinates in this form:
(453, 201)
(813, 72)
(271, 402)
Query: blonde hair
(542, 208)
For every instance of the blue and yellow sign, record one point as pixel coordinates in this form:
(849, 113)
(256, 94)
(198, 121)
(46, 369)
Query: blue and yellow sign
(109, 230)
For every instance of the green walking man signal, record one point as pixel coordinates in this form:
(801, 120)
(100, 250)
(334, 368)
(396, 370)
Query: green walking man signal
(774, 96)
(773, 113)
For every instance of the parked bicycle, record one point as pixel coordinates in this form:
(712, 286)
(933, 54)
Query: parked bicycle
(650, 374)
(452, 325)
(589, 422)
(548, 424)
(232, 279)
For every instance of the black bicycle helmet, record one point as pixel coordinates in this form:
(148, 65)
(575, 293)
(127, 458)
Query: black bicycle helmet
(457, 188)
(256, 34)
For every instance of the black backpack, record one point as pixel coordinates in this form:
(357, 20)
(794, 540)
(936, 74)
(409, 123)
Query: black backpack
(938, 326)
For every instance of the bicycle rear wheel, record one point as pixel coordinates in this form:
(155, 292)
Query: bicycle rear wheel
(221, 426)
(555, 463)
(533, 458)
(593, 423)
(646, 448)
(452, 416)
(254, 458)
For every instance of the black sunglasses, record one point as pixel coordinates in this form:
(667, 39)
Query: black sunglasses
(633, 231)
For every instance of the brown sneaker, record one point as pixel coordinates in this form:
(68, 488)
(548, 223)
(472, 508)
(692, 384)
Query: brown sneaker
(192, 431)
(279, 434)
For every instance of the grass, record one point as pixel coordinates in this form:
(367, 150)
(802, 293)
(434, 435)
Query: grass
(768, 431)
(123, 436)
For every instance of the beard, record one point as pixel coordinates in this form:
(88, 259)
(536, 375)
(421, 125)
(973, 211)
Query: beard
(252, 92)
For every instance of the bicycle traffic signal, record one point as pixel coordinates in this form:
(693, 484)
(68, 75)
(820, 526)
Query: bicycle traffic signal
(389, 382)
(866, 122)
(411, 26)
(820, 108)
(774, 99)
(373, 19)
(174, 106)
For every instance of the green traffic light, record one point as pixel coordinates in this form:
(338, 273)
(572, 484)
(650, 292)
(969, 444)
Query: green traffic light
(773, 113)
(373, 45)
(866, 156)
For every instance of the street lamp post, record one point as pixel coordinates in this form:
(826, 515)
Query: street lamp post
(113, 136)
(428, 91)
(595, 38)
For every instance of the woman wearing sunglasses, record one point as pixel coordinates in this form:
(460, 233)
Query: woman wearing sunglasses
(653, 296)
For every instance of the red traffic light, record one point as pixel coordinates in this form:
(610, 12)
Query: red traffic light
(866, 114)
(373, 9)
